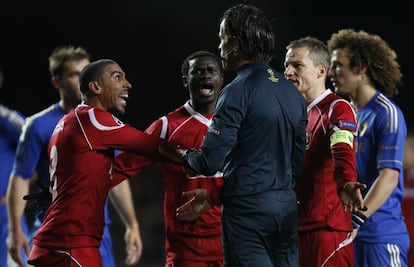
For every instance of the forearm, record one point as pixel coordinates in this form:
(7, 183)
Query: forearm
(18, 187)
(380, 190)
(121, 199)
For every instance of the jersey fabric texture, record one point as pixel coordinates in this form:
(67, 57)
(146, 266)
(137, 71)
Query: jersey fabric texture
(81, 152)
(326, 169)
(257, 137)
(380, 144)
(32, 156)
(198, 240)
(11, 122)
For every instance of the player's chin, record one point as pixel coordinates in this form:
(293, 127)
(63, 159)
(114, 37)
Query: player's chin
(119, 109)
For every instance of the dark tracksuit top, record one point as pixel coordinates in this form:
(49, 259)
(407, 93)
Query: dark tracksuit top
(257, 137)
(258, 117)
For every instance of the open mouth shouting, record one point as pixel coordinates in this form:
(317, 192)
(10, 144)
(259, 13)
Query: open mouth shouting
(206, 89)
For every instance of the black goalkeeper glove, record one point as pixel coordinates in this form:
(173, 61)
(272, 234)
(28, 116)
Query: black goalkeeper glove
(38, 202)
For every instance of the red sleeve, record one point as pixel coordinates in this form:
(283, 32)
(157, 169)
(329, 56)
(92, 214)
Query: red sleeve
(343, 117)
(344, 164)
(128, 164)
(102, 131)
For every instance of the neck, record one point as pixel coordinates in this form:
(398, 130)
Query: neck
(362, 96)
(203, 108)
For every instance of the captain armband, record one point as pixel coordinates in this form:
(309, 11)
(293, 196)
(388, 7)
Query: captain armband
(342, 136)
(358, 219)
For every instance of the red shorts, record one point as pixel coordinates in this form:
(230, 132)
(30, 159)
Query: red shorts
(74, 257)
(322, 248)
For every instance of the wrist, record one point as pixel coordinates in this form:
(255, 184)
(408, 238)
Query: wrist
(358, 219)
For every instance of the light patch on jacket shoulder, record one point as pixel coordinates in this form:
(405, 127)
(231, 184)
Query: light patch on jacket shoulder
(214, 130)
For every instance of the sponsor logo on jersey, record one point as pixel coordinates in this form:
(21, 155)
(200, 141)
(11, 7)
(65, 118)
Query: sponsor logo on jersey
(347, 125)
(384, 147)
(59, 127)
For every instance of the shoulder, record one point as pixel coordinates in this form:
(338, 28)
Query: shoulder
(388, 117)
(100, 119)
(340, 104)
(14, 117)
(49, 115)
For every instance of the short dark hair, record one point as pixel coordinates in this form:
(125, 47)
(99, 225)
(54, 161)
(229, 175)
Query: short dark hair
(92, 72)
(61, 54)
(186, 63)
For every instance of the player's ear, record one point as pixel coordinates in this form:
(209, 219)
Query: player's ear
(55, 81)
(185, 80)
(95, 88)
(322, 70)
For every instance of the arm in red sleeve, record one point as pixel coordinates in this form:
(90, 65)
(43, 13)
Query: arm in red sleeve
(344, 164)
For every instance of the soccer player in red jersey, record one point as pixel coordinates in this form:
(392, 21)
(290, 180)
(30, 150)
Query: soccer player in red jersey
(81, 152)
(193, 243)
(327, 191)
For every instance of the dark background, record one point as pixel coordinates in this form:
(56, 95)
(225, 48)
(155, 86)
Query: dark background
(149, 39)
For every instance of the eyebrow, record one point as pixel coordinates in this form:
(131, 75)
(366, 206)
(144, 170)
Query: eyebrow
(114, 72)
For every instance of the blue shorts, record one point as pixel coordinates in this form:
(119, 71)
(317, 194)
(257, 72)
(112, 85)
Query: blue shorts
(106, 249)
(372, 254)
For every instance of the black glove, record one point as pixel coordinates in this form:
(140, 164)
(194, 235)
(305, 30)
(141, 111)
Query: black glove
(38, 202)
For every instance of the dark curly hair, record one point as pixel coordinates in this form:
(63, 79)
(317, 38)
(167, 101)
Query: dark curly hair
(373, 52)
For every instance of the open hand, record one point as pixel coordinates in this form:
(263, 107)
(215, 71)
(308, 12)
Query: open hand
(193, 208)
(351, 196)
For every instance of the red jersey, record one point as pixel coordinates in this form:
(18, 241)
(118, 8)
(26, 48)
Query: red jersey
(81, 152)
(326, 169)
(198, 240)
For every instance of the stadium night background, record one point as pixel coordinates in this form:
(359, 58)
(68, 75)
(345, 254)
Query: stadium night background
(150, 39)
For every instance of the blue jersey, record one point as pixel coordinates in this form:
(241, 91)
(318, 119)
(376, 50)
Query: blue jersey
(33, 143)
(11, 123)
(32, 155)
(380, 144)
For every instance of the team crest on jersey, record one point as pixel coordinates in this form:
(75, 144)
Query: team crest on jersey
(362, 128)
(308, 140)
(118, 121)
(272, 76)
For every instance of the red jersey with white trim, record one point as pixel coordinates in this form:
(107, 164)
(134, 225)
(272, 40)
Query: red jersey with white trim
(81, 152)
(326, 169)
(198, 240)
